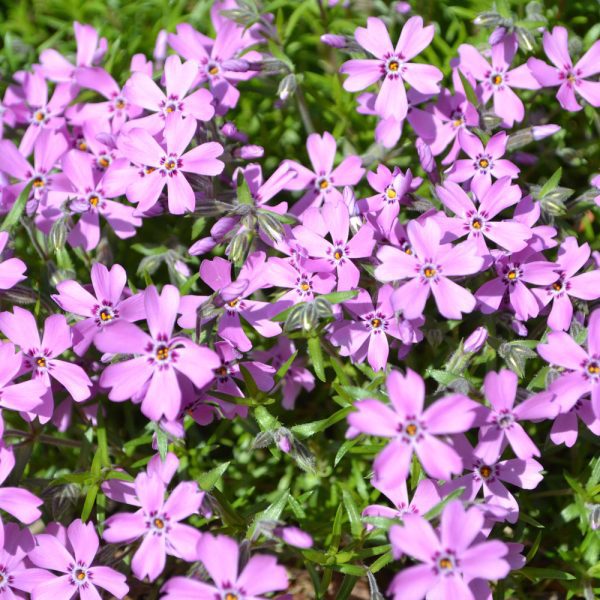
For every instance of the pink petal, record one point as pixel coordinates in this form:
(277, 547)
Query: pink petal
(374, 418)
(452, 300)
(72, 377)
(415, 537)
(84, 541)
(219, 554)
(438, 459)
(321, 151)
(375, 38)
(391, 100)
(203, 159)
(362, 73)
(149, 560)
(261, 575)
(414, 38)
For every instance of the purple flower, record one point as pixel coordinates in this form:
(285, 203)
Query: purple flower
(16, 573)
(102, 309)
(476, 341)
(17, 501)
(322, 182)
(570, 78)
(583, 367)
(488, 474)
(571, 258)
(478, 223)
(220, 556)
(159, 357)
(565, 427)
(428, 264)
(167, 165)
(142, 91)
(426, 496)
(40, 356)
(157, 523)
(451, 560)
(366, 334)
(391, 64)
(302, 282)
(334, 218)
(74, 560)
(502, 424)
(483, 163)
(413, 429)
(12, 269)
(513, 272)
(498, 80)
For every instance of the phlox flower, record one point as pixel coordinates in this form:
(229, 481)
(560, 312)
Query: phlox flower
(74, 561)
(502, 423)
(17, 501)
(498, 79)
(11, 269)
(565, 427)
(90, 49)
(233, 299)
(168, 165)
(159, 357)
(586, 286)
(426, 496)
(483, 163)
(365, 334)
(142, 91)
(101, 309)
(582, 375)
(90, 198)
(40, 356)
(220, 556)
(451, 558)
(213, 62)
(478, 221)
(338, 254)
(392, 65)
(513, 272)
(16, 573)
(157, 522)
(428, 264)
(413, 428)
(570, 78)
(322, 182)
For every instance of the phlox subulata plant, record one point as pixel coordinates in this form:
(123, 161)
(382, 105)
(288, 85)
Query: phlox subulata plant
(298, 300)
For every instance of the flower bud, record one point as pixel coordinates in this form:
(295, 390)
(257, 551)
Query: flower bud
(229, 129)
(488, 19)
(58, 234)
(543, 131)
(334, 40)
(294, 536)
(476, 340)
(497, 36)
(202, 246)
(236, 65)
(425, 156)
(249, 152)
(287, 86)
(525, 39)
(160, 47)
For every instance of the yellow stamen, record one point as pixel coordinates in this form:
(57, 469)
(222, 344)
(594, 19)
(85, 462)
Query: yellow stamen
(445, 563)
(485, 471)
(497, 79)
(103, 162)
(512, 274)
(411, 429)
(429, 272)
(162, 353)
(393, 65)
(376, 323)
(94, 200)
(41, 362)
(484, 163)
(213, 70)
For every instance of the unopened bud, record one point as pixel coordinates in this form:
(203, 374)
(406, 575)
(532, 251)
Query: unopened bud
(334, 40)
(229, 129)
(269, 66)
(150, 264)
(238, 248)
(543, 131)
(270, 225)
(497, 36)
(236, 65)
(202, 246)
(488, 19)
(249, 152)
(526, 39)
(287, 86)
(476, 340)
(425, 156)
(160, 47)
(58, 234)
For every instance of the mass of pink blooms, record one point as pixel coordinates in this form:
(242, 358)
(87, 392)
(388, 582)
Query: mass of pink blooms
(290, 246)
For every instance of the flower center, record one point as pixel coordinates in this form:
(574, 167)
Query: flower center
(305, 286)
(222, 371)
(233, 303)
(485, 471)
(82, 145)
(484, 163)
(557, 286)
(571, 78)
(230, 596)
(446, 564)
(39, 116)
(393, 65)
(93, 200)
(477, 223)
(104, 161)
(170, 165)
(429, 271)
(162, 352)
(106, 315)
(593, 368)
(375, 323)
(38, 182)
(391, 193)
(212, 68)
(497, 79)
(512, 275)
(158, 523)
(120, 103)
(80, 574)
(40, 361)
(148, 170)
(505, 421)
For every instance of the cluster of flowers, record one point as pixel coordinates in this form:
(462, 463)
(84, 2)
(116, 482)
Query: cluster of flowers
(483, 250)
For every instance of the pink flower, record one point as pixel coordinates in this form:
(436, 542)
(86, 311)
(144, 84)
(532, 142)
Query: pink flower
(413, 429)
(478, 223)
(322, 182)
(19, 502)
(159, 358)
(103, 309)
(586, 286)
(74, 560)
(179, 78)
(167, 165)
(582, 374)
(12, 269)
(157, 522)
(483, 163)
(391, 64)
(498, 80)
(570, 78)
(220, 556)
(451, 561)
(428, 265)
(337, 255)
(41, 355)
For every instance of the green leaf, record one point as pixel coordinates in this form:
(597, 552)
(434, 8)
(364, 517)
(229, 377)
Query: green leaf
(538, 574)
(346, 588)
(534, 547)
(353, 514)
(189, 282)
(338, 297)
(285, 367)
(208, 480)
(162, 442)
(336, 532)
(272, 512)
(309, 429)
(316, 356)
(251, 387)
(14, 215)
(469, 91)
(382, 561)
(243, 191)
(90, 499)
(102, 438)
(551, 184)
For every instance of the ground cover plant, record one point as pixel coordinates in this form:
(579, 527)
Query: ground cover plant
(299, 299)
